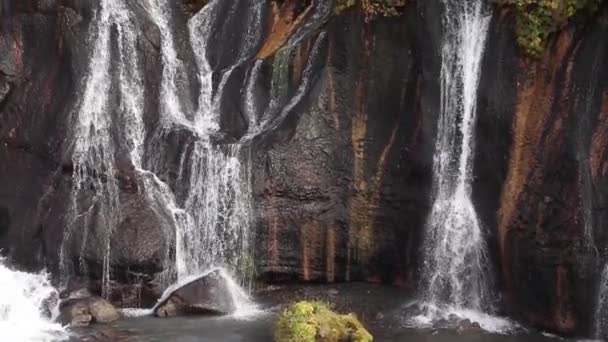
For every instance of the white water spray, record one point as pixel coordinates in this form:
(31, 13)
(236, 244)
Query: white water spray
(28, 303)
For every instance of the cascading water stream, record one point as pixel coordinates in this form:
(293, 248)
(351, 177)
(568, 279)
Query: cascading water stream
(93, 149)
(456, 266)
(215, 178)
(209, 204)
(99, 136)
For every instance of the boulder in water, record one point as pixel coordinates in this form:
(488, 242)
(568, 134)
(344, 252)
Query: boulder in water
(74, 313)
(83, 311)
(206, 294)
(102, 311)
(466, 326)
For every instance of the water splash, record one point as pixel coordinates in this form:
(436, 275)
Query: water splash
(244, 306)
(28, 303)
(456, 267)
(451, 317)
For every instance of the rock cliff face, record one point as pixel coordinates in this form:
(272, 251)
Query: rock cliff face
(552, 212)
(342, 181)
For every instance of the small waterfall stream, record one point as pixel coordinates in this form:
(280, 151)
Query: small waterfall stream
(94, 146)
(456, 266)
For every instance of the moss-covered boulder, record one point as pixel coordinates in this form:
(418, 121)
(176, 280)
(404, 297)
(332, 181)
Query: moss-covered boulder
(315, 322)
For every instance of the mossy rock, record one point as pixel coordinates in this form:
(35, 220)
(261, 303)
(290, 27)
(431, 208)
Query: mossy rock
(315, 322)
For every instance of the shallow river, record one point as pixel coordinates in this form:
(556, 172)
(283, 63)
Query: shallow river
(198, 329)
(381, 308)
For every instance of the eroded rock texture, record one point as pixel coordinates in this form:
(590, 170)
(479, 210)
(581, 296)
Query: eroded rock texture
(555, 188)
(342, 172)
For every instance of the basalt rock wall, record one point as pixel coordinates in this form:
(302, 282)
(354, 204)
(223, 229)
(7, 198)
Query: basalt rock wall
(342, 176)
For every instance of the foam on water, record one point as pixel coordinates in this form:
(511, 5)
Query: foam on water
(136, 312)
(27, 304)
(452, 315)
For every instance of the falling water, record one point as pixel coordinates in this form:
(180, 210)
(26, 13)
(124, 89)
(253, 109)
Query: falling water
(209, 206)
(93, 149)
(99, 136)
(27, 304)
(455, 271)
(215, 178)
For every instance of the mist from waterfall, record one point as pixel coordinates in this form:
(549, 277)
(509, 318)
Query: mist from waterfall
(455, 275)
(28, 303)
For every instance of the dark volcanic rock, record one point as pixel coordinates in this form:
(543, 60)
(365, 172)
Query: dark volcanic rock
(342, 170)
(555, 185)
(207, 294)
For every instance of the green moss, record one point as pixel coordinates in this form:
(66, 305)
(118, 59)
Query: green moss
(315, 322)
(537, 19)
(345, 5)
(372, 8)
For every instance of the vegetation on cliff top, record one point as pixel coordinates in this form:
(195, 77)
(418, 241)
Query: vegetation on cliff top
(372, 8)
(315, 322)
(535, 20)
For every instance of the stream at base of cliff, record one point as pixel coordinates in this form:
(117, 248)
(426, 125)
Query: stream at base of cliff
(379, 307)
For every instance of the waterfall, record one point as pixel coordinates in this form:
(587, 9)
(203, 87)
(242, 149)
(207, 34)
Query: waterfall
(456, 266)
(211, 222)
(93, 144)
(455, 251)
(214, 178)
(27, 304)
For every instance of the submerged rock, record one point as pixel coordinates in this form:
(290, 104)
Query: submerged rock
(206, 294)
(78, 312)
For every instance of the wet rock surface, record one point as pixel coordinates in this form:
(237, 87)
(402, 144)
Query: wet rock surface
(208, 294)
(342, 181)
